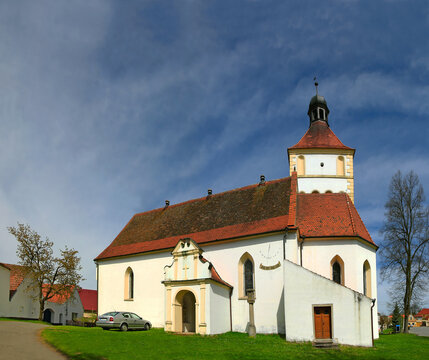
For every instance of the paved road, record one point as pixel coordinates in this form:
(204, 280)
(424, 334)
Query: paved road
(420, 331)
(20, 340)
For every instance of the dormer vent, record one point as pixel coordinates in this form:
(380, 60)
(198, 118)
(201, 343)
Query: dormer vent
(167, 203)
(209, 192)
(262, 180)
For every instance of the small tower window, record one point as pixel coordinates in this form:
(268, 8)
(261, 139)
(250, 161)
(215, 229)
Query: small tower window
(340, 166)
(301, 165)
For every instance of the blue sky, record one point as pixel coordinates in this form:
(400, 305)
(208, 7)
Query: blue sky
(108, 108)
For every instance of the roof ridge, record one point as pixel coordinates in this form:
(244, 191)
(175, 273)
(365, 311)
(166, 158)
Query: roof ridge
(214, 195)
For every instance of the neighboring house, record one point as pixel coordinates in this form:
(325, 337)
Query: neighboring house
(298, 241)
(422, 318)
(4, 289)
(22, 302)
(89, 302)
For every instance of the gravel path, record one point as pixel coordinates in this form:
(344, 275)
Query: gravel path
(21, 340)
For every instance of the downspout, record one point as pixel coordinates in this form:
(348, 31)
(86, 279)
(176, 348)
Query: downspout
(372, 322)
(98, 292)
(230, 309)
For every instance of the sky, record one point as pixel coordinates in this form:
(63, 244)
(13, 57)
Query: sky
(108, 108)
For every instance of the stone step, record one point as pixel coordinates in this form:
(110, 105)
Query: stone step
(325, 344)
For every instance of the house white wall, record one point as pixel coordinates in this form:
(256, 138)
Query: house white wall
(64, 312)
(22, 303)
(4, 290)
(351, 311)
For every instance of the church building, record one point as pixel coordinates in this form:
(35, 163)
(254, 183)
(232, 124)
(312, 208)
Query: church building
(297, 244)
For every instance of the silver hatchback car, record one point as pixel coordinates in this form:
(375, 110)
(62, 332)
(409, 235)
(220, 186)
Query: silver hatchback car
(122, 320)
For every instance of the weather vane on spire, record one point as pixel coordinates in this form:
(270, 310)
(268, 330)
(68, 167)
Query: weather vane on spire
(316, 84)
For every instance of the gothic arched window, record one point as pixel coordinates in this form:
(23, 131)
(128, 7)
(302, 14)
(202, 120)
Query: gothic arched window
(366, 278)
(246, 275)
(129, 284)
(337, 269)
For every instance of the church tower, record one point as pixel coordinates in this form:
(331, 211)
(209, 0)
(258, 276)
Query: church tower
(322, 162)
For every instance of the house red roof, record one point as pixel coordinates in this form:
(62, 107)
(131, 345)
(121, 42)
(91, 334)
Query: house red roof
(88, 299)
(329, 215)
(57, 298)
(424, 313)
(17, 274)
(320, 136)
(250, 210)
(255, 209)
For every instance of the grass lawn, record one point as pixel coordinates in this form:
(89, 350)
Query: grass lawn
(94, 343)
(26, 320)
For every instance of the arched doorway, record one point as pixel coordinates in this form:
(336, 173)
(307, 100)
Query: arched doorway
(185, 311)
(48, 316)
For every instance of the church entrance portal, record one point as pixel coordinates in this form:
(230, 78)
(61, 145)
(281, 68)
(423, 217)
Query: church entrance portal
(48, 315)
(185, 312)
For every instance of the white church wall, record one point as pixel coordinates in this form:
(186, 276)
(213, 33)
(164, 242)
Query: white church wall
(4, 290)
(291, 247)
(219, 320)
(350, 311)
(265, 250)
(317, 256)
(308, 185)
(148, 299)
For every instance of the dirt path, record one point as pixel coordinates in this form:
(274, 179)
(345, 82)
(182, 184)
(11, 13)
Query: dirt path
(20, 340)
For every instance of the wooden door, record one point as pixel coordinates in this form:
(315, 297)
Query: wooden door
(322, 322)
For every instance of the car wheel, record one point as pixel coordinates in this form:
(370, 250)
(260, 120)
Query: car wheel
(124, 327)
(146, 326)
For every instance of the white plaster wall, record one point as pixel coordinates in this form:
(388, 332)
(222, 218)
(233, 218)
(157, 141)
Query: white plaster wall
(317, 256)
(313, 161)
(291, 247)
(149, 292)
(351, 317)
(23, 303)
(308, 185)
(4, 290)
(219, 320)
(72, 305)
(266, 250)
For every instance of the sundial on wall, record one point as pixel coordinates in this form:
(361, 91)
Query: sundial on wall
(269, 255)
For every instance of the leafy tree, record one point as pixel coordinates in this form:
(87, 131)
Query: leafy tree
(405, 249)
(51, 276)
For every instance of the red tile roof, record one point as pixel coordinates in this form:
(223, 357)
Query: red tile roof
(17, 274)
(214, 274)
(57, 298)
(250, 210)
(329, 215)
(320, 136)
(88, 299)
(422, 313)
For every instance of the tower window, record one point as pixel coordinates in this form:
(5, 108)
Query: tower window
(322, 164)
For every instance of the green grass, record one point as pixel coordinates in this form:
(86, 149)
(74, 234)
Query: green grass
(94, 343)
(26, 320)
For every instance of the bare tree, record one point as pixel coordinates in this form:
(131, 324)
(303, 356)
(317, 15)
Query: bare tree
(51, 276)
(405, 249)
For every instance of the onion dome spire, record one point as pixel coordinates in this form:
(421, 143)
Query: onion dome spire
(318, 108)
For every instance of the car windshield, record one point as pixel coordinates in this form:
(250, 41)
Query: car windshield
(113, 313)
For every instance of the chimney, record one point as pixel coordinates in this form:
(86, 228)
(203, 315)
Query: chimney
(262, 181)
(167, 203)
